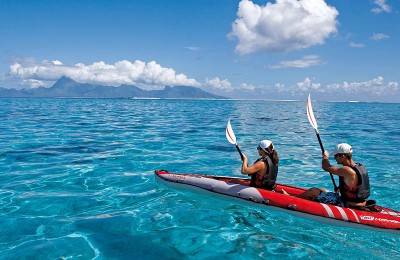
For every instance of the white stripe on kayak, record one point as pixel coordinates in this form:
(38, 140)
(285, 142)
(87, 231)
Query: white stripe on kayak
(394, 214)
(355, 215)
(344, 215)
(328, 210)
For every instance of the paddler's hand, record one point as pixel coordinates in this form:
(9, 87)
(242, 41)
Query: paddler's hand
(325, 161)
(244, 158)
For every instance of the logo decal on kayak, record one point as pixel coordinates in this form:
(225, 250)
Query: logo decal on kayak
(367, 218)
(176, 176)
(370, 218)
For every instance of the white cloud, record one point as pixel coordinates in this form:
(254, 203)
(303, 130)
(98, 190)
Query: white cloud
(218, 84)
(57, 62)
(140, 73)
(283, 26)
(382, 6)
(357, 45)
(280, 87)
(307, 85)
(300, 87)
(248, 87)
(305, 62)
(33, 83)
(379, 36)
(375, 87)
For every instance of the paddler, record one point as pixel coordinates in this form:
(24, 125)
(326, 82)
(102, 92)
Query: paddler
(353, 180)
(265, 169)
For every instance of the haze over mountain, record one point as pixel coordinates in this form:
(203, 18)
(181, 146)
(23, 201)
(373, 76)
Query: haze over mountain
(66, 87)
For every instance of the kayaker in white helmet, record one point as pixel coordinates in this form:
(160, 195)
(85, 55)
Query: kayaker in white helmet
(353, 180)
(264, 171)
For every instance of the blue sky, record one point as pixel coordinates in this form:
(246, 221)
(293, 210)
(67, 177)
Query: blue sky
(333, 49)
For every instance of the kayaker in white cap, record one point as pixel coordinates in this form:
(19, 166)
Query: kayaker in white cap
(265, 169)
(353, 180)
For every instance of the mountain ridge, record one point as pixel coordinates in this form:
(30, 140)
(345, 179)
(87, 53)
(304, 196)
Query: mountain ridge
(68, 88)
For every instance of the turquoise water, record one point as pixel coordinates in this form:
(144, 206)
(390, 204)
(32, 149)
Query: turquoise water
(76, 178)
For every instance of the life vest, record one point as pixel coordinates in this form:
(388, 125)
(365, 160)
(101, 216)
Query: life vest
(266, 181)
(358, 193)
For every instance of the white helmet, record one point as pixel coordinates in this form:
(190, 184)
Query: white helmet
(343, 148)
(264, 144)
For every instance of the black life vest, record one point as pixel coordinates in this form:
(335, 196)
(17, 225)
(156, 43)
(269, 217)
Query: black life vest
(267, 181)
(359, 193)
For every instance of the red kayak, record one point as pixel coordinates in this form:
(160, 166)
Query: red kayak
(373, 217)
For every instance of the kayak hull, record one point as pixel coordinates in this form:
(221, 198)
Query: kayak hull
(238, 189)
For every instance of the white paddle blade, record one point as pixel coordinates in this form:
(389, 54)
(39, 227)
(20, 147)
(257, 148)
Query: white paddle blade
(230, 135)
(310, 114)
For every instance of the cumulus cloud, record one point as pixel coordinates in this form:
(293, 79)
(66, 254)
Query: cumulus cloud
(246, 86)
(33, 83)
(305, 62)
(283, 26)
(377, 87)
(140, 73)
(381, 7)
(304, 86)
(280, 87)
(307, 85)
(379, 36)
(218, 84)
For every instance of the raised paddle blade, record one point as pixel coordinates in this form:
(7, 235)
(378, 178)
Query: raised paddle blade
(230, 135)
(313, 122)
(310, 114)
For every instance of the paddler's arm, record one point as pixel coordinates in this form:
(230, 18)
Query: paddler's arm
(326, 166)
(250, 169)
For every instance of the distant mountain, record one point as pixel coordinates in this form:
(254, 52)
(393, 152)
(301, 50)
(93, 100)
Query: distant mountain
(66, 87)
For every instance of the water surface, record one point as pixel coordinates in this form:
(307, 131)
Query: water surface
(76, 178)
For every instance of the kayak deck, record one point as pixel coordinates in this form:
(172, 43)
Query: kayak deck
(383, 219)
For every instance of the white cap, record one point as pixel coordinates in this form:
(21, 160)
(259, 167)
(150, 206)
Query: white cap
(343, 148)
(264, 144)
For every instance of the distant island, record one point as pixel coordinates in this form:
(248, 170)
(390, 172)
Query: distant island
(66, 87)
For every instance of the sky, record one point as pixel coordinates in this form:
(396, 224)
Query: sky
(274, 50)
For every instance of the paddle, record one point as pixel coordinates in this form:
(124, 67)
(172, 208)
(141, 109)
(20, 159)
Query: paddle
(230, 135)
(313, 123)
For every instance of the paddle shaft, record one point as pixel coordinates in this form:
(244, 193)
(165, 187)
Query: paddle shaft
(320, 142)
(322, 149)
(240, 152)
